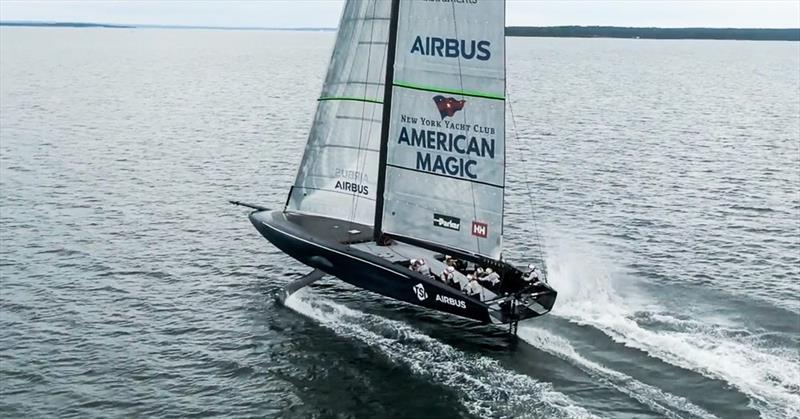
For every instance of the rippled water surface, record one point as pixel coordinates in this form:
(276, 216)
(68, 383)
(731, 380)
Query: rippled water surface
(666, 185)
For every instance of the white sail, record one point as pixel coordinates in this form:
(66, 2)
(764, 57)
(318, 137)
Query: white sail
(338, 174)
(445, 167)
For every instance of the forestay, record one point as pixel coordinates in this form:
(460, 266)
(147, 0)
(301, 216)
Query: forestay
(446, 145)
(338, 174)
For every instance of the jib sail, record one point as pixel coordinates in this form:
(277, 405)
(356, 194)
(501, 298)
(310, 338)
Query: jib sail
(445, 157)
(338, 174)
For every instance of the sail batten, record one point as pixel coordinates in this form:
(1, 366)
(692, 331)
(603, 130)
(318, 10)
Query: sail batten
(358, 118)
(449, 91)
(444, 175)
(359, 82)
(355, 99)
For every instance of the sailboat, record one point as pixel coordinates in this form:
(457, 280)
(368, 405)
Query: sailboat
(406, 160)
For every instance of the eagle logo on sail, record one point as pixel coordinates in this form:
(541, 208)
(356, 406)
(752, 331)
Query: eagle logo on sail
(448, 106)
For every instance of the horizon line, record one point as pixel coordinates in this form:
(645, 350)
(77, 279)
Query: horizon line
(313, 28)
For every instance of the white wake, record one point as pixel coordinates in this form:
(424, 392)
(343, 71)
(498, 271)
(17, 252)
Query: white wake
(485, 388)
(769, 376)
(658, 401)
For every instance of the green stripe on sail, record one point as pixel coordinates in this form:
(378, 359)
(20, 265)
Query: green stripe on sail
(450, 91)
(357, 99)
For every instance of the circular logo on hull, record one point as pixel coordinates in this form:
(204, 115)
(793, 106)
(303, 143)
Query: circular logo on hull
(420, 291)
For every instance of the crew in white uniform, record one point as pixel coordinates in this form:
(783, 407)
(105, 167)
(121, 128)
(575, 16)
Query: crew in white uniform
(532, 276)
(491, 277)
(473, 287)
(422, 267)
(448, 275)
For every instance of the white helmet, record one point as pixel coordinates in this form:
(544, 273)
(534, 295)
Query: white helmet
(531, 267)
(414, 261)
(488, 270)
(451, 269)
(469, 277)
(480, 270)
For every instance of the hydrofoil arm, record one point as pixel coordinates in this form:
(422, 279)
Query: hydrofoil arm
(295, 286)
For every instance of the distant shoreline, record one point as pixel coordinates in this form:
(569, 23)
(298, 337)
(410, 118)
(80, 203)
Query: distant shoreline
(732, 34)
(63, 25)
(32, 24)
(737, 34)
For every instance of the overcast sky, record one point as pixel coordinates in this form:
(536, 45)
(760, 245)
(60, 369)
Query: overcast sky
(325, 13)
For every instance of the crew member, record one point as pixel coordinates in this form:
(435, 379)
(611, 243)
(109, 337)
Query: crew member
(452, 281)
(491, 277)
(473, 287)
(448, 274)
(422, 267)
(449, 261)
(532, 276)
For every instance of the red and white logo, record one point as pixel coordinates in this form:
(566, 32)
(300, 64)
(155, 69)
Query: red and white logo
(480, 229)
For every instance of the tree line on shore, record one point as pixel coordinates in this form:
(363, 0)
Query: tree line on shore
(755, 34)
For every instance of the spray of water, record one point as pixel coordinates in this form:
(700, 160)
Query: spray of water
(769, 376)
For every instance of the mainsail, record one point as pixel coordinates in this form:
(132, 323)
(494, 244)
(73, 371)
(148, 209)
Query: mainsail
(338, 174)
(445, 148)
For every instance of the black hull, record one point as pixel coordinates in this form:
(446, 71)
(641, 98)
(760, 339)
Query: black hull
(318, 243)
(365, 270)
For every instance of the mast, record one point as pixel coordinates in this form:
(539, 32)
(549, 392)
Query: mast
(387, 113)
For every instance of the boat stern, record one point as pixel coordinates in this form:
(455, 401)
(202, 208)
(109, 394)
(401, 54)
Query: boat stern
(536, 303)
(524, 305)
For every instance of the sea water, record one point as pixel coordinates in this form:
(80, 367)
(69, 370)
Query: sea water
(663, 178)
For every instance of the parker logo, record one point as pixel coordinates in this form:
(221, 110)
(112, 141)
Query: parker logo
(451, 301)
(448, 106)
(480, 229)
(420, 291)
(446, 221)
